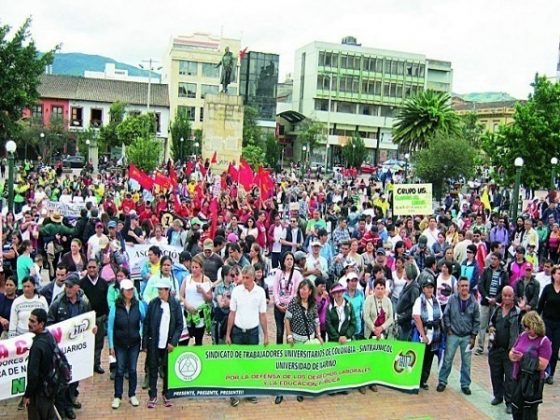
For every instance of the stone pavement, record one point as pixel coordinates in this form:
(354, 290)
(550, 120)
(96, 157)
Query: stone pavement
(97, 394)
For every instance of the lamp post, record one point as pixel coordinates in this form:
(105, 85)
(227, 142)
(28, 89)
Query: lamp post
(518, 163)
(11, 148)
(304, 148)
(181, 150)
(196, 148)
(353, 154)
(553, 162)
(406, 158)
(327, 156)
(88, 142)
(42, 136)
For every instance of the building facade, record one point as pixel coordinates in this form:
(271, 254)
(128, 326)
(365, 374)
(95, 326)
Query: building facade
(113, 73)
(191, 72)
(352, 88)
(258, 83)
(490, 114)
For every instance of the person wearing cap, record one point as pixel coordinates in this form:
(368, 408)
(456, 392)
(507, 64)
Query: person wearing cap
(300, 258)
(71, 303)
(428, 320)
(315, 265)
(356, 297)
(95, 288)
(341, 318)
(124, 337)
(212, 261)
(461, 321)
(133, 233)
(96, 240)
(527, 290)
(221, 299)
(381, 259)
(421, 251)
(161, 332)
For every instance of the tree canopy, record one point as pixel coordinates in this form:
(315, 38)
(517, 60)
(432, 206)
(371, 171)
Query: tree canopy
(355, 151)
(145, 153)
(20, 67)
(422, 117)
(534, 136)
(135, 126)
(311, 132)
(108, 136)
(181, 129)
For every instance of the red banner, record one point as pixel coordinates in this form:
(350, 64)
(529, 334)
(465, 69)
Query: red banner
(246, 175)
(141, 177)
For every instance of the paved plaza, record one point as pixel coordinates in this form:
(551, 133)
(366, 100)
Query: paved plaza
(96, 394)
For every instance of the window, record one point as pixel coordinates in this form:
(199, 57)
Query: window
(346, 107)
(76, 119)
(187, 90)
(210, 70)
(400, 68)
(188, 68)
(37, 111)
(399, 91)
(189, 110)
(56, 111)
(321, 104)
(157, 116)
(421, 70)
(205, 89)
(96, 118)
(328, 59)
(387, 66)
(201, 114)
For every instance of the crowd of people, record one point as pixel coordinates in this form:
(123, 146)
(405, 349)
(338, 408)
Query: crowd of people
(330, 258)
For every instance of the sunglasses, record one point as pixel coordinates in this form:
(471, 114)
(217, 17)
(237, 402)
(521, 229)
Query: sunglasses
(92, 266)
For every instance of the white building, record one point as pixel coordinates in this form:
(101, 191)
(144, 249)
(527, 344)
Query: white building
(113, 73)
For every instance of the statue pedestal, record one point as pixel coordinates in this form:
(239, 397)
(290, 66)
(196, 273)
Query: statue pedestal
(222, 130)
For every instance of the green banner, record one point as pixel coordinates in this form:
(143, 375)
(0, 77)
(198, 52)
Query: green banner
(227, 371)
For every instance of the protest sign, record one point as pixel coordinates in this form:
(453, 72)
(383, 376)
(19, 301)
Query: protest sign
(412, 199)
(71, 210)
(235, 371)
(74, 337)
(137, 254)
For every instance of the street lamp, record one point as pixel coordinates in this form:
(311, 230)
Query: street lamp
(304, 148)
(327, 156)
(11, 147)
(553, 162)
(353, 154)
(181, 154)
(88, 142)
(196, 147)
(42, 136)
(406, 159)
(518, 163)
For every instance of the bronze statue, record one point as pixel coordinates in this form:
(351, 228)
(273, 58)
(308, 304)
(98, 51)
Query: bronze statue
(227, 62)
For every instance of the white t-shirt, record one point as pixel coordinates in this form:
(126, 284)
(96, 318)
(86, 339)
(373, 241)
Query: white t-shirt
(247, 305)
(398, 284)
(278, 233)
(193, 297)
(154, 241)
(94, 242)
(164, 325)
(417, 310)
(543, 280)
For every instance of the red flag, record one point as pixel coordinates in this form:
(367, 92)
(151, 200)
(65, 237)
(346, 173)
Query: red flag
(214, 158)
(233, 173)
(141, 177)
(172, 174)
(246, 175)
(213, 216)
(242, 53)
(265, 183)
(189, 168)
(162, 180)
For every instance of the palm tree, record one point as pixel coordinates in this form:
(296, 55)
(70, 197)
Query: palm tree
(422, 117)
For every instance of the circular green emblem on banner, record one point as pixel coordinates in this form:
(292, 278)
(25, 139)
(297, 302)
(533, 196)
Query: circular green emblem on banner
(188, 366)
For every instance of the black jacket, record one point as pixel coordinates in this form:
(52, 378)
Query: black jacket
(348, 327)
(484, 282)
(60, 309)
(96, 294)
(153, 320)
(39, 363)
(408, 296)
(47, 292)
(530, 292)
(126, 328)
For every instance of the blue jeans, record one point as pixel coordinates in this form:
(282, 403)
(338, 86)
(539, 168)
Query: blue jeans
(126, 357)
(453, 343)
(239, 336)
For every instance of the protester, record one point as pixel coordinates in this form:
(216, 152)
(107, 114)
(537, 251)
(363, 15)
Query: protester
(23, 305)
(378, 312)
(404, 308)
(284, 288)
(461, 321)
(549, 308)
(6, 301)
(56, 287)
(162, 329)
(124, 338)
(38, 399)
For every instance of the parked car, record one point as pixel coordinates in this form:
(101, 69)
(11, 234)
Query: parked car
(76, 161)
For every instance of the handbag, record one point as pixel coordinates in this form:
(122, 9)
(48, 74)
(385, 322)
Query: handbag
(380, 320)
(528, 389)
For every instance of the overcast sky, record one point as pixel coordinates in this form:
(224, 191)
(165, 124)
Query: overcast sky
(494, 45)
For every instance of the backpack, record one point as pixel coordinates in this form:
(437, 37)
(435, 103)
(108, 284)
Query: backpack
(60, 375)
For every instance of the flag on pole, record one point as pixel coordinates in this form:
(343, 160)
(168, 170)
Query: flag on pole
(214, 158)
(245, 175)
(141, 177)
(213, 216)
(162, 180)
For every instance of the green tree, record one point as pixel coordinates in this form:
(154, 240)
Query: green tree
(273, 152)
(254, 155)
(252, 133)
(181, 129)
(355, 151)
(136, 126)
(20, 68)
(444, 158)
(108, 136)
(422, 117)
(145, 153)
(472, 129)
(310, 132)
(534, 135)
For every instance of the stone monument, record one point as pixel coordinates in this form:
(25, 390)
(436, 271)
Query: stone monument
(222, 130)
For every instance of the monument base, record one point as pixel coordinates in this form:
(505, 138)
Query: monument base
(222, 130)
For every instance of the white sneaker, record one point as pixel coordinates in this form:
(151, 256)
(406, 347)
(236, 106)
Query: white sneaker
(134, 401)
(116, 403)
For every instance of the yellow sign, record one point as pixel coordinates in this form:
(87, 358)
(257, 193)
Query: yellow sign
(412, 199)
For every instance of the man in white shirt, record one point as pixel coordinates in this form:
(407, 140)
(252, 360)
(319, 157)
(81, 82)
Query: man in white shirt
(276, 233)
(315, 264)
(247, 309)
(460, 250)
(544, 277)
(431, 232)
(96, 241)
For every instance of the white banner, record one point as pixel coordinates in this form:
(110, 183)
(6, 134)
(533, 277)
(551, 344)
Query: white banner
(71, 210)
(137, 254)
(74, 337)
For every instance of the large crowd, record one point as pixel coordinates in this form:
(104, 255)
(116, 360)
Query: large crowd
(329, 255)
